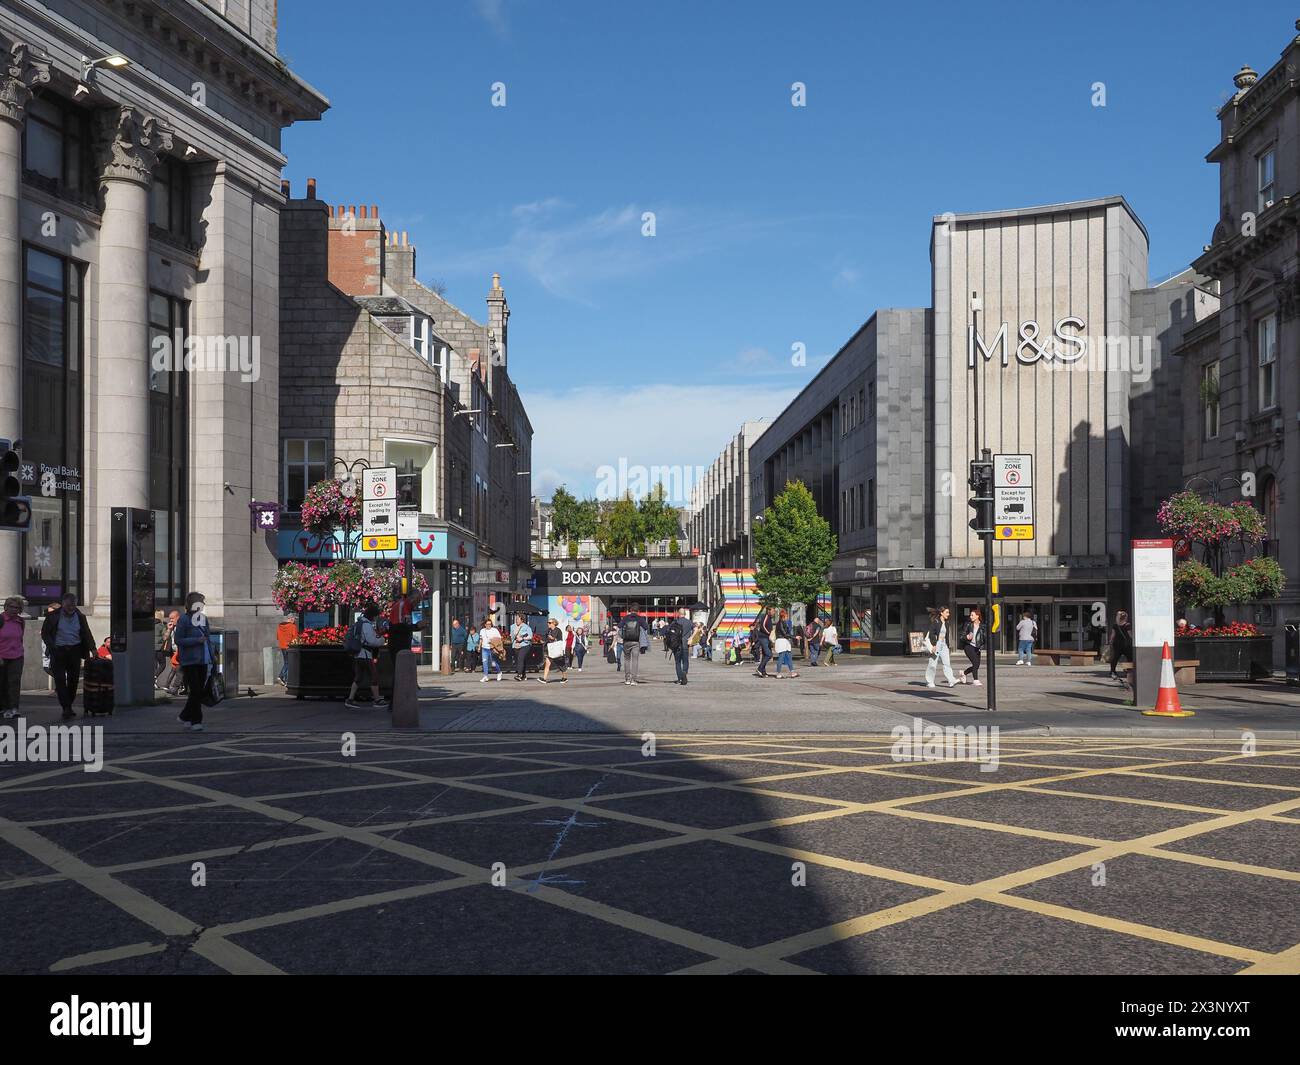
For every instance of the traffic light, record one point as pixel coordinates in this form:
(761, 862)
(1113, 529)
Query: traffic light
(15, 508)
(981, 483)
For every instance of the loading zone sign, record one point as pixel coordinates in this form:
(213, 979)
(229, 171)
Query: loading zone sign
(1013, 497)
(379, 517)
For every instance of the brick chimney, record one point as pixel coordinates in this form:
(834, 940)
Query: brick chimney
(498, 319)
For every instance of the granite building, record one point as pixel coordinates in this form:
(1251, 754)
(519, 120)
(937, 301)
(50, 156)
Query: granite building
(1071, 349)
(1241, 406)
(720, 513)
(377, 366)
(139, 198)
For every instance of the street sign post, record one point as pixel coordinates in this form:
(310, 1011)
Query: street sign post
(1153, 614)
(1013, 497)
(379, 517)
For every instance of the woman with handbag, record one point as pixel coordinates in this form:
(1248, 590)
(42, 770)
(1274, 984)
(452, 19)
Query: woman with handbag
(936, 646)
(555, 652)
(972, 642)
(191, 639)
(784, 646)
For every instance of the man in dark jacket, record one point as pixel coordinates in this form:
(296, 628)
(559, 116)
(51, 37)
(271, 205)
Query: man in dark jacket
(677, 637)
(67, 638)
(630, 629)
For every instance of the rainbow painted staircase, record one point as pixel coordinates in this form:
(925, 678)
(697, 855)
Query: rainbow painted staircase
(741, 602)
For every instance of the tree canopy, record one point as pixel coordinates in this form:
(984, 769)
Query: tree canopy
(793, 548)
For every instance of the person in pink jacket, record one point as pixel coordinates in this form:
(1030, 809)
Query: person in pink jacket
(12, 627)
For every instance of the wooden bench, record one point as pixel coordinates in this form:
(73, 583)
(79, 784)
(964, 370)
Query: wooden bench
(1055, 654)
(1184, 670)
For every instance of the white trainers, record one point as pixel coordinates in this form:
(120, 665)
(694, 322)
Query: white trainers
(929, 684)
(196, 728)
(483, 679)
(497, 675)
(977, 683)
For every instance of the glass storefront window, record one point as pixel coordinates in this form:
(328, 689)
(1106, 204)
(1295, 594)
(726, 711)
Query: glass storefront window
(168, 444)
(51, 424)
(417, 465)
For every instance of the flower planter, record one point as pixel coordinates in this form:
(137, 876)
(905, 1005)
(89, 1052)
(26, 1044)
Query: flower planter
(322, 672)
(1227, 657)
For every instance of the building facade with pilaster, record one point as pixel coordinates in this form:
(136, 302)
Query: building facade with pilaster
(139, 197)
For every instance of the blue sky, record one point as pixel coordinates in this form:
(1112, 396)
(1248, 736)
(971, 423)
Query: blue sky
(774, 225)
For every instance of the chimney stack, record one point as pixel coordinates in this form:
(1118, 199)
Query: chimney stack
(311, 188)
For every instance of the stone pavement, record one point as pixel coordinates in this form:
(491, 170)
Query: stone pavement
(785, 853)
(860, 695)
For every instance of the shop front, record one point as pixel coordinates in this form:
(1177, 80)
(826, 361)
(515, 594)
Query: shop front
(589, 593)
(444, 556)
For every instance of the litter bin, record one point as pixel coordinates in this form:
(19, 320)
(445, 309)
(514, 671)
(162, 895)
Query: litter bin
(1292, 633)
(225, 648)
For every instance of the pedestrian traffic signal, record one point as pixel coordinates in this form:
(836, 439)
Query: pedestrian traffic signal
(981, 483)
(15, 508)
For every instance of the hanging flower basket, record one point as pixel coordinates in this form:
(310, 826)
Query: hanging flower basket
(330, 505)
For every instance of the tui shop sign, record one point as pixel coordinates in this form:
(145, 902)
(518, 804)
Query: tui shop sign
(432, 544)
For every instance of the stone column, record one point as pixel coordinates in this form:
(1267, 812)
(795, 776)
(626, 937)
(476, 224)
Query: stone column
(131, 144)
(19, 71)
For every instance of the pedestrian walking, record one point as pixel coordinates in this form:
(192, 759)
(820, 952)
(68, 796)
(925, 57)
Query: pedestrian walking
(556, 649)
(697, 641)
(492, 648)
(813, 634)
(830, 641)
(784, 646)
(362, 643)
(677, 639)
(159, 640)
(459, 640)
(13, 627)
(66, 635)
(285, 633)
(1026, 634)
(192, 638)
(972, 642)
(521, 641)
(580, 646)
(763, 627)
(635, 640)
(936, 646)
(473, 659)
(1121, 645)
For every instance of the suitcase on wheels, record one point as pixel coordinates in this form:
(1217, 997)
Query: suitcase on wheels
(97, 687)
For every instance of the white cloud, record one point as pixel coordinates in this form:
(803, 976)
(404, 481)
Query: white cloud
(493, 12)
(575, 432)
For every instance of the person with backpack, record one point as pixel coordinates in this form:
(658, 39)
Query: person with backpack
(192, 642)
(361, 642)
(491, 645)
(677, 638)
(12, 629)
(1026, 633)
(555, 647)
(936, 646)
(972, 642)
(634, 637)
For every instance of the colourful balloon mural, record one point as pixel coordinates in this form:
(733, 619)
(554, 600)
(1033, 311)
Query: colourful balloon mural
(570, 610)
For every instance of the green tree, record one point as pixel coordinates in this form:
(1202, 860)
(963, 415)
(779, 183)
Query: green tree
(621, 532)
(793, 548)
(674, 548)
(572, 519)
(658, 520)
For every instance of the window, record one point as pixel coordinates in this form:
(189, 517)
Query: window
(168, 444)
(169, 199)
(871, 399)
(1268, 505)
(417, 473)
(51, 425)
(56, 148)
(1266, 185)
(1266, 349)
(871, 504)
(304, 465)
(863, 411)
(1210, 400)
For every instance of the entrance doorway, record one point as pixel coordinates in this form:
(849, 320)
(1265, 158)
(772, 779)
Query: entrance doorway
(1073, 625)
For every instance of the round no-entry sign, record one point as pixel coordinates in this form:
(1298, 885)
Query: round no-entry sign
(1013, 476)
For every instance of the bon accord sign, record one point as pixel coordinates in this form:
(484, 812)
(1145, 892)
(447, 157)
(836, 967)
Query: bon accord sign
(635, 577)
(605, 576)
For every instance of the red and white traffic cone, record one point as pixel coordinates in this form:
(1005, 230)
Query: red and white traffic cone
(1167, 704)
